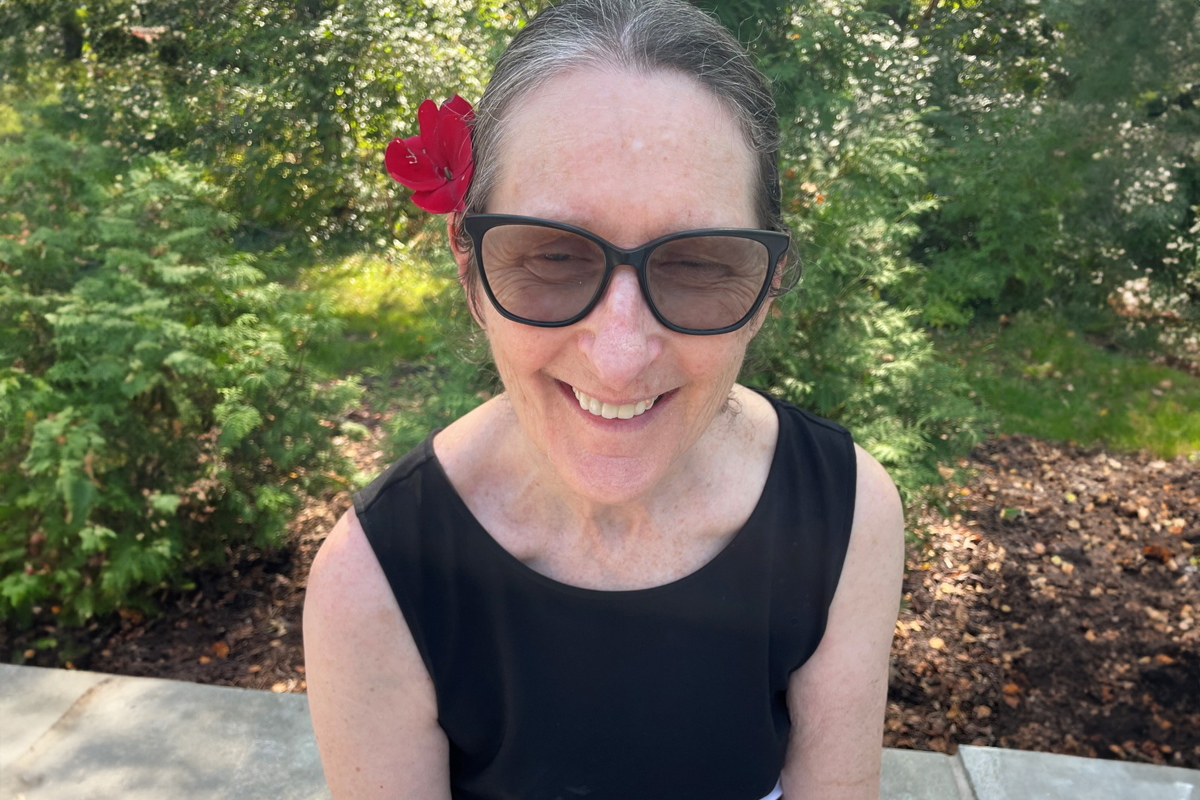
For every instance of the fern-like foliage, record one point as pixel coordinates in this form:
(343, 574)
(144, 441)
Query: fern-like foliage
(155, 403)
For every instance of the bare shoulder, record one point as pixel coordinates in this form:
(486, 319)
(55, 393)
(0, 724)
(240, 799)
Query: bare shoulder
(372, 702)
(838, 698)
(878, 512)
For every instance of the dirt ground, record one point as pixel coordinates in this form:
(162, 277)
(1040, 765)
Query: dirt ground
(1054, 609)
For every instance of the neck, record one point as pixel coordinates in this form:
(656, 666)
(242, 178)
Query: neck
(538, 492)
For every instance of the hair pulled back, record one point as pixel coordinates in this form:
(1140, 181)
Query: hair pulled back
(645, 36)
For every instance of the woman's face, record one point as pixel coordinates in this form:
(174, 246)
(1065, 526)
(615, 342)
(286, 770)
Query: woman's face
(631, 158)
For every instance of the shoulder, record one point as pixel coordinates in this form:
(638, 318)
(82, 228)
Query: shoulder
(349, 607)
(878, 510)
(368, 687)
(874, 565)
(837, 699)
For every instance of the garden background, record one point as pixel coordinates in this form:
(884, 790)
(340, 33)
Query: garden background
(218, 317)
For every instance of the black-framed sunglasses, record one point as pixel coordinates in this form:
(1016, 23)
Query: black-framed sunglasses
(549, 274)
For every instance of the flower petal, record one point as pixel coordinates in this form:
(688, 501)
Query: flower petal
(461, 184)
(460, 107)
(430, 118)
(407, 163)
(441, 200)
(455, 138)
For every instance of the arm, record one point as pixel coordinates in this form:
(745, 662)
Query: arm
(837, 700)
(372, 702)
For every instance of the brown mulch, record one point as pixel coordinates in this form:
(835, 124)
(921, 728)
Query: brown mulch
(1054, 610)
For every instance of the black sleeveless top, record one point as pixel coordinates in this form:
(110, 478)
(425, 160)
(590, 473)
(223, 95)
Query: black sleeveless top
(553, 692)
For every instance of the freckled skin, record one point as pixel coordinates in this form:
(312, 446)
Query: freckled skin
(630, 158)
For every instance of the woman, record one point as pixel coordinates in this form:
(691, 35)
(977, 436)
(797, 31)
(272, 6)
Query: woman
(627, 576)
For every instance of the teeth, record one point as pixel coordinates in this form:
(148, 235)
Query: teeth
(608, 410)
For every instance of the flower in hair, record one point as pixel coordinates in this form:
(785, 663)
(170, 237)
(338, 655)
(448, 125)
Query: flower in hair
(436, 164)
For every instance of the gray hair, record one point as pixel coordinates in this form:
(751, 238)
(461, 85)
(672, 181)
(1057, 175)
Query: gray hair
(638, 35)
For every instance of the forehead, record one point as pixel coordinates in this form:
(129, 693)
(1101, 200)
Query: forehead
(629, 156)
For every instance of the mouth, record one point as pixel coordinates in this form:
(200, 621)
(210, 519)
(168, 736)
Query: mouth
(598, 408)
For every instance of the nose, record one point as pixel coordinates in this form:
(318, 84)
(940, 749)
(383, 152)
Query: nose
(621, 338)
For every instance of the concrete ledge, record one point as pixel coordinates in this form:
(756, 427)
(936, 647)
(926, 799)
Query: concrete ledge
(919, 775)
(998, 774)
(149, 739)
(86, 736)
(32, 700)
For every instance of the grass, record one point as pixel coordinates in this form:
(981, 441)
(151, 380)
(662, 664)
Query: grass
(406, 324)
(1045, 379)
(394, 307)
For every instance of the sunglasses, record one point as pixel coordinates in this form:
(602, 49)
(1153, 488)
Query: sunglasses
(550, 274)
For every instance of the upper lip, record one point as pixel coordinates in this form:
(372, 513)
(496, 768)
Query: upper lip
(634, 401)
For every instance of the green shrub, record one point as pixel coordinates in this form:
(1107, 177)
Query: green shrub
(289, 106)
(845, 344)
(1064, 160)
(155, 403)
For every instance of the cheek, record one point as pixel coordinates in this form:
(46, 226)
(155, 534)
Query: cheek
(518, 350)
(717, 365)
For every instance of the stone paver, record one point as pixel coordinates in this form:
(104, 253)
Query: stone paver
(148, 739)
(917, 775)
(85, 736)
(32, 700)
(998, 774)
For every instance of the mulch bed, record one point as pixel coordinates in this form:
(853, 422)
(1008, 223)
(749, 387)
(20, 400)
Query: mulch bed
(1054, 609)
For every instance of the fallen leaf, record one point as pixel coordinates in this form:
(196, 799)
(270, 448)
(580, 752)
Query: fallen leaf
(220, 649)
(1157, 552)
(936, 643)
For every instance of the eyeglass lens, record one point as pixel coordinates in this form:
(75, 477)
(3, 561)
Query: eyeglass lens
(548, 275)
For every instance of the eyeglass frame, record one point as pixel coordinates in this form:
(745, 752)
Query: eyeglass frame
(776, 243)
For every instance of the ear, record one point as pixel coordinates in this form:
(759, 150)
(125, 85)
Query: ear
(760, 319)
(461, 257)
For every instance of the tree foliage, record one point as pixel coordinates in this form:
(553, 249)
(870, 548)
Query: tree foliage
(166, 165)
(155, 405)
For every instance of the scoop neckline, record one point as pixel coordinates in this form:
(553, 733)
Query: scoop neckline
(520, 567)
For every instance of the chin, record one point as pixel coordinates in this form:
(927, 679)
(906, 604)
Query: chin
(609, 480)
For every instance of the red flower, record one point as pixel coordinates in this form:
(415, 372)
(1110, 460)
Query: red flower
(436, 165)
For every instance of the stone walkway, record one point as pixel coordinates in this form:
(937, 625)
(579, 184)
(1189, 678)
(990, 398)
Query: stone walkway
(88, 736)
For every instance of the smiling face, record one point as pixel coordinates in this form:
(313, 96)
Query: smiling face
(616, 402)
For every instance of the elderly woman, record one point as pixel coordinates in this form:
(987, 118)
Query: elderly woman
(627, 577)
